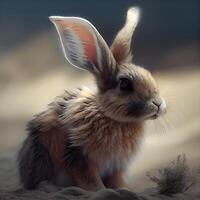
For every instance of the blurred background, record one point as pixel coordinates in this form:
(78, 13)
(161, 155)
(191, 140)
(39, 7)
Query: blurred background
(167, 42)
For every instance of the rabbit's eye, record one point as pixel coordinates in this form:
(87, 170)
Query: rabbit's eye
(125, 84)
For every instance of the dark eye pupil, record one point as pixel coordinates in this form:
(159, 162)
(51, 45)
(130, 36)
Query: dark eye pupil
(125, 84)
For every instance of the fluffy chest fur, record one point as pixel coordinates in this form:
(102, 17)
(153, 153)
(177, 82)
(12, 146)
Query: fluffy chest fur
(108, 143)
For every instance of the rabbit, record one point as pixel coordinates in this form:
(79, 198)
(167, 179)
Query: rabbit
(86, 138)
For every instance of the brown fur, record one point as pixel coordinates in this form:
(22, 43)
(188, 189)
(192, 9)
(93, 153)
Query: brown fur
(108, 145)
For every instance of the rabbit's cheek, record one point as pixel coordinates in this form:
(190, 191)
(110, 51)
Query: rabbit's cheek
(136, 109)
(142, 110)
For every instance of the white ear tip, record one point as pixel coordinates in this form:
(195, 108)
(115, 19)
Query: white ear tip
(54, 19)
(133, 14)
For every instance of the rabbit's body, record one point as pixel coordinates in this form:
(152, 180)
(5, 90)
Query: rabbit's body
(75, 121)
(88, 138)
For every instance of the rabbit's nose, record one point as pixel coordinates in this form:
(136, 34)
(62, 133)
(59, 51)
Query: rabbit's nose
(157, 101)
(161, 104)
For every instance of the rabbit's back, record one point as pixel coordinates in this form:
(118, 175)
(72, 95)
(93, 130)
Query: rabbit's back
(42, 154)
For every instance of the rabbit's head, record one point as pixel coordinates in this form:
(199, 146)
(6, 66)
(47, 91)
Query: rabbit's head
(126, 92)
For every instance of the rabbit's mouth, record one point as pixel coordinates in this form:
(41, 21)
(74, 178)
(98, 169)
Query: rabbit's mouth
(155, 116)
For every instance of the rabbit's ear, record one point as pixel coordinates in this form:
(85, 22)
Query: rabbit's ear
(82, 44)
(121, 46)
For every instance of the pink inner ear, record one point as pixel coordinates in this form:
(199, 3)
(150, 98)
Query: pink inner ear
(85, 37)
